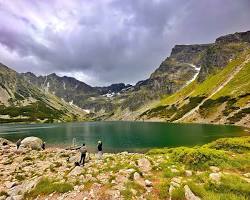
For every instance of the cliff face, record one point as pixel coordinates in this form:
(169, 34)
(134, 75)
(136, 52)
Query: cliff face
(225, 49)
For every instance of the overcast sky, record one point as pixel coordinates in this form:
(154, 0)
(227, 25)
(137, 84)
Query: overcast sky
(108, 41)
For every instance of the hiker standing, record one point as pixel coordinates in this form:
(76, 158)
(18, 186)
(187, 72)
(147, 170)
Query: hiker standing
(83, 151)
(18, 143)
(99, 148)
(43, 146)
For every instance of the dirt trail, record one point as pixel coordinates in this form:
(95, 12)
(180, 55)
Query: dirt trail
(236, 71)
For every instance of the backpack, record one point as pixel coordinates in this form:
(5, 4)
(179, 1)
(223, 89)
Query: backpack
(83, 149)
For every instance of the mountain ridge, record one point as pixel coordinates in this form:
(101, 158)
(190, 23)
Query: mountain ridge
(190, 71)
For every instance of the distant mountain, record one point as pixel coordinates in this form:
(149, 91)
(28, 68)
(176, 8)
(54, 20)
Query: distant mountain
(77, 92)
(207, 83)
(21, 101)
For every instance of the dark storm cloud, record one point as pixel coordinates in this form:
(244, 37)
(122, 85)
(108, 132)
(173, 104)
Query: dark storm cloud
(108, 41)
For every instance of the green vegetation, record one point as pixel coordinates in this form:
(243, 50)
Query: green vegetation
(239, 115)
(193, 102)
(33, 112)
(47, 186)
(233, 95)
(238, 145)
(129, 186)
(230, 155)
(178, 194)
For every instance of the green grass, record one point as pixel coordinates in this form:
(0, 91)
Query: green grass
(178, 194)
(231, 184)
(127, 193)
(210, 194)
(238, 145)
(47, 186)
(239, 85)
(236, 88)
(34, 111)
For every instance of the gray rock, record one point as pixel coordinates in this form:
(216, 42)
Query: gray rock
(170, 190)
(214, 169)
(176, 180)
(148, 183)
(144, 165)
(189, 194)
(114, 194)
(247, 175)
(215, 177)
(76, 171)
(32, 142)
(138, 179)
(3, 141)
(188, 173)
(174, 170)
(10, 184)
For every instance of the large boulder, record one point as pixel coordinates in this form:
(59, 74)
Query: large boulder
(32, 142)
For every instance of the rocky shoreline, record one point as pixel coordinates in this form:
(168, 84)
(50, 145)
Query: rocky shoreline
(177, 173)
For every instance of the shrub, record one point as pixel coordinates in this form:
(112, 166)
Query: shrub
(199, 157)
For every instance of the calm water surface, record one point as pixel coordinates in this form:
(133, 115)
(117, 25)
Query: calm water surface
(122, 136)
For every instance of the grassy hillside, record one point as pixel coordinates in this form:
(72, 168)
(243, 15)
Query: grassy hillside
(227, 103)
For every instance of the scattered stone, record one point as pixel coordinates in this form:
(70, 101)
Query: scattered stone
(189, 194)
(10, 184)
(215, 177)
(171, 189)
(113, 194)
(144, 165)
(247, 175)
(176, 180)
(214, 169)
(73, 159)
(76, 171)
(173, 170)
(5, 142)
(188, 173)
(199, 173)
(148, 183)
(138, 179)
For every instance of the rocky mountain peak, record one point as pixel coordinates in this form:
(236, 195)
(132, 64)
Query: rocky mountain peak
(188, 48)
(235, 37)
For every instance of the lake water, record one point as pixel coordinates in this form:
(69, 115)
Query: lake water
(122, 136)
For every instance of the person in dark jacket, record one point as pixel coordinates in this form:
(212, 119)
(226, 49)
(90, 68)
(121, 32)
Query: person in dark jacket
(18, 143)
(43, 146)
(83, 151)
(99, 148)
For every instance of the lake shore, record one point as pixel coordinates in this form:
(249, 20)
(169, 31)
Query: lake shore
(216, 170)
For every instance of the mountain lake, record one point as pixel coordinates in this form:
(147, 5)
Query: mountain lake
(122, 136)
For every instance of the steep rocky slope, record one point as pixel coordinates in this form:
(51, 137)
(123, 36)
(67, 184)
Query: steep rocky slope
(221, 92)
(21, 101)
